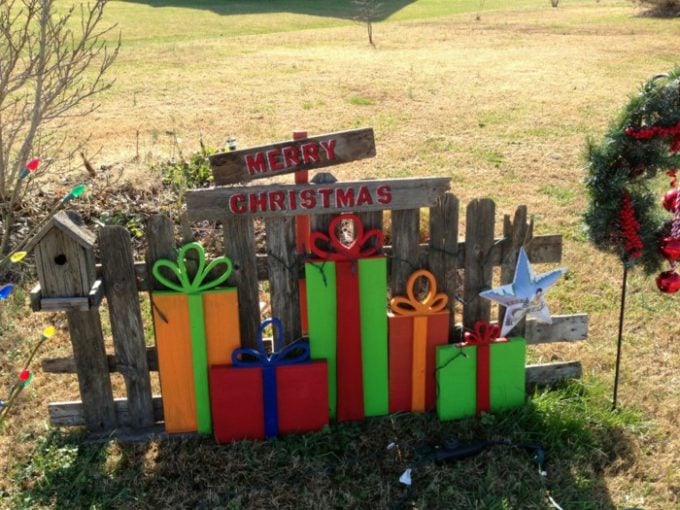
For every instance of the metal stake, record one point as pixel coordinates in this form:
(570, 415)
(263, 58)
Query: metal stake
(620, 340)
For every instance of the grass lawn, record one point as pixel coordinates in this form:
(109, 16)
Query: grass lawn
(499, 96)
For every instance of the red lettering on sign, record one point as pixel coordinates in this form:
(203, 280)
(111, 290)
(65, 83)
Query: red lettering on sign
(274, 160)
(344, 198)
(291, 156)
(257, 202)
(329, 147)
(384, 194)
(237, 203)
(307, 199)
(255, 163)
(364, 196)
(276, 199)
(310, 153)
(292, 198)
(325, 196)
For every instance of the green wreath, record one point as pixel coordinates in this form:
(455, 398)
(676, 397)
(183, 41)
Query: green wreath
(623, 215)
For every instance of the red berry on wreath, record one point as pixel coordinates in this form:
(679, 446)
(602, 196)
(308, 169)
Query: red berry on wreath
(668, 282)
(670, 199)
(670, 248)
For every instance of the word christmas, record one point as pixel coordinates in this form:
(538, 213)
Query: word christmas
(288, 199)
(309, 198)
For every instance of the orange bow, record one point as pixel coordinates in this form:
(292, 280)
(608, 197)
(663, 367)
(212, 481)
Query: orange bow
(431, 303)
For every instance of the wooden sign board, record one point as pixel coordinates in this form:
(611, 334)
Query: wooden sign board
(290, 200)
(295, 155)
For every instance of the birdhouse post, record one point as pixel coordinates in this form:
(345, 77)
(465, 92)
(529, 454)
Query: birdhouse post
(64, 254)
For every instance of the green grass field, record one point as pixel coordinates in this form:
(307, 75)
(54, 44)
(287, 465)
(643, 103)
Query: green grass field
(498, 96)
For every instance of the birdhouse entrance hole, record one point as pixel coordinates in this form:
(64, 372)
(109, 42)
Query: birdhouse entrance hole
(60, 260)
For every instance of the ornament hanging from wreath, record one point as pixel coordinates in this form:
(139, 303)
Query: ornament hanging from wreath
(625, 214)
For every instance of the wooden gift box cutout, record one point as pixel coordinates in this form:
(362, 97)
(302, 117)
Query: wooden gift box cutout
(459, 381)
(416, 328)
(186, 405)
(356, 350)
(244, 408)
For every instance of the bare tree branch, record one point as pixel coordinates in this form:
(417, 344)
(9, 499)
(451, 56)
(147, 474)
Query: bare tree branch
(48, 72)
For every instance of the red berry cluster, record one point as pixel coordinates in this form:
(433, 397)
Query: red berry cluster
(647, 133)
(629, 229)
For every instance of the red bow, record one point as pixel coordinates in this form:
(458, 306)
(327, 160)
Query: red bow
(483, 334)
(357, 248)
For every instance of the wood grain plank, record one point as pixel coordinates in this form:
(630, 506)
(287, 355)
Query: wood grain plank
(443, 250)
(300, 154)
(405, 249)
(71, 413)
(564, 328)
(239, 246)
(94, 382)
(552, 373)
(516, 234)
(289, 200)
(126, 322)
(283, 275)
(479, 240)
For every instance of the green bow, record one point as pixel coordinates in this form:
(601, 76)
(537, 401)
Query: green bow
(196, 285)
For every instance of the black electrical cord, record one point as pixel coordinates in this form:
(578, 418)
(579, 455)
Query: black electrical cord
(455, 451)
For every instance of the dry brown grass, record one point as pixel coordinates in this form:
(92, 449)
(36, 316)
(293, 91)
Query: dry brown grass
(501, 105)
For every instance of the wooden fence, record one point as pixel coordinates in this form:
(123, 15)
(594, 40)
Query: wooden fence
(447, 257)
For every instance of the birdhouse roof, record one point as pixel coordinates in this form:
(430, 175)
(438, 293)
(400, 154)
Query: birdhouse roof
(71, 225)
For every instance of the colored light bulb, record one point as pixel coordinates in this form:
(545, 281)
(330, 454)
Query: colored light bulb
(18, 256)
(32, 165)
(76, 192)
(5, 291)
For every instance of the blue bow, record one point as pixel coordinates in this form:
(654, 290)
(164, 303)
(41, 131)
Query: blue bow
(297, 352)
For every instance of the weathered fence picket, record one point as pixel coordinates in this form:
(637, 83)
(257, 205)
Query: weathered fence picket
(478, 270)
(443, 250)
(127, 328)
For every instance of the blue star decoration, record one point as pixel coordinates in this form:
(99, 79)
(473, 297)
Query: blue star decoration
(525, 295)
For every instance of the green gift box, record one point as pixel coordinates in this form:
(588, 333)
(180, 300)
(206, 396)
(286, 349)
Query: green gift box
(485, 373)
(346, 302)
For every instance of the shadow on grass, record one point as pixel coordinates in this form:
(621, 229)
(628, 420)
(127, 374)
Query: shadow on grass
(349, 465)
(342, 9)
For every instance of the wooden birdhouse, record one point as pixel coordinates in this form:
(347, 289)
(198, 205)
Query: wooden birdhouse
(64, 257)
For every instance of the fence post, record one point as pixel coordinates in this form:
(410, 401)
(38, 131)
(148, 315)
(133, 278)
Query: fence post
(516, 234)
(283, 274)
(479, 240)
(239, 246)
(405, 248)
(126, 322)
(443, 250)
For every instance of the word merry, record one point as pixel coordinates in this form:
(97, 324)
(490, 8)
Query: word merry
(310, 198)
(290, 156)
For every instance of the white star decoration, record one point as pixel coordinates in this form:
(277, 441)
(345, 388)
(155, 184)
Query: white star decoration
(525, 295)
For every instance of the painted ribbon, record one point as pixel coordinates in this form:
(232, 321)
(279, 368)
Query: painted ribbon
(352, 251)
(179, 269)
(297, 352)
(431, 303)
(483, 336)
(350, 388)
(194, 288)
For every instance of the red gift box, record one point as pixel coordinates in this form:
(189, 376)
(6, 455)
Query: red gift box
(236, 397)
(263, 395)
(416, 328)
